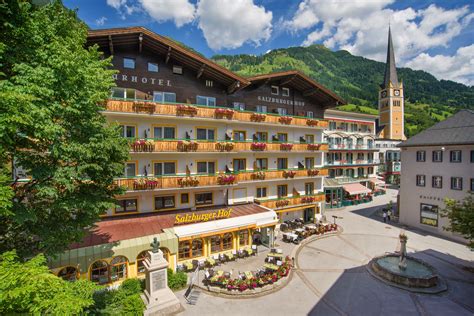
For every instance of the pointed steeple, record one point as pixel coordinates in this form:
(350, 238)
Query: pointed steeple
(390, 67)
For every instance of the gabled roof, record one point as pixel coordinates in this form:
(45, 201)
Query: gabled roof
(141, 37)
(455, 130)
(390, 67)
(299, 81)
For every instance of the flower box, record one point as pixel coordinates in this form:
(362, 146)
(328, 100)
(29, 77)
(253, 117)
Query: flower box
(289, 174)
(145, 184)
(307, 199)
(257, 117)
(258, 175)
(142, 145)
(187, 145)
(226, 179)
(282, 203)
(313, 172)
(224, 146)
(188, 182)
(286, 147)
(186, 110)
(258, 146)
(311, 122)
(314, 146)
(224, 113)
(285, 120)
(143, 107)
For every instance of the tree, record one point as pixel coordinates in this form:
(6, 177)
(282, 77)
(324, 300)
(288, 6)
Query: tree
(51, 88)
(30, 288)
(461, 217)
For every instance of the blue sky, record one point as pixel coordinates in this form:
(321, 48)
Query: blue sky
(436, 36)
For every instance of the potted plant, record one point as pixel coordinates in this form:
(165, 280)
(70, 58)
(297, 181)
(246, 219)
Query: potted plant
(289, 174)
(286, 147)
(224, 113)
(257, 117)
(258, 146)
(183, 109)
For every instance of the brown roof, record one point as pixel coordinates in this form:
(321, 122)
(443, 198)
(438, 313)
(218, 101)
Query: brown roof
(302, 82)
(131, 36)
(116, 229)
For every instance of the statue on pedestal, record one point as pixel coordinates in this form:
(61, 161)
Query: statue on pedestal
(402, 264)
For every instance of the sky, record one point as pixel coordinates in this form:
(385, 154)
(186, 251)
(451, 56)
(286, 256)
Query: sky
(435, 36)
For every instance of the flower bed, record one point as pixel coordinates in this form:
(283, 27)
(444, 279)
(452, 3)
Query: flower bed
(258, 146)
(313, 172)
(224, 146)
(142, 145)
(286, 147)
(285, 120)
(258, 175)
(186, 110)
(314, 146)
(143, 107)
(311, 122)
(224, 113)
(145, 184)
(188, 182)
(224, 179)
(289, 174)
(282, 203)
(187, 145)
(256, 117)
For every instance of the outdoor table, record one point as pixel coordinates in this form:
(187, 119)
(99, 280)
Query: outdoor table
(270, 266)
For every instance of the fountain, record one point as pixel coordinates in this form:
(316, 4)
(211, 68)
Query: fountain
(406, 272)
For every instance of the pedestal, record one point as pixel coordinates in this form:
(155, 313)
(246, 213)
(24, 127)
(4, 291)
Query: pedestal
(158, 298)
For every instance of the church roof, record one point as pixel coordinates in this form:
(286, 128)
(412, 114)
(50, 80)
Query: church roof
(390, 67)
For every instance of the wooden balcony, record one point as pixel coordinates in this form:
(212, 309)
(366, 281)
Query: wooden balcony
(186, 110)
(285, 202)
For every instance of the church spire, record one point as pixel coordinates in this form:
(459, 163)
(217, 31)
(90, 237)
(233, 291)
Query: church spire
(390, 68)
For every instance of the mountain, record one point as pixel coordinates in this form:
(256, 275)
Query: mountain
(356, 79)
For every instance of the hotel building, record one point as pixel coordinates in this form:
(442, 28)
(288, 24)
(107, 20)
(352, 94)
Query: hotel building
(216, 160)
(438, 163)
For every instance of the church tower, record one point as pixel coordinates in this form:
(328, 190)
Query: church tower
(391, 101)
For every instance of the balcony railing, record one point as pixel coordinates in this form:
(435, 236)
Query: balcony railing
(351, 147)
(287, 201)
(184, 145)
(219, 179)
(199, 111)
(351, 163)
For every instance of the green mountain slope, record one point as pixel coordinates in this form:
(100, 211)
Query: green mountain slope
(357, 80)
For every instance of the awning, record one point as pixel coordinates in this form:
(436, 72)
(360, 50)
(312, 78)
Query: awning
(377, 181)
(355, 188)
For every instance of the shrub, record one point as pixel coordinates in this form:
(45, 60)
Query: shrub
(177, 281)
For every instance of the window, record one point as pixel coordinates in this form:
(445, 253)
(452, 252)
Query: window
(152, 67)
(309, 114)
(99, 272)
(370, 170)
(282, 163)
(282, 111)
(205, 134)
(455, 155)
(420, 180)
(239, 106)
(142, 256)
(437, 182)
(227, 241)
(261, 192)
(437, 156)
(184, 249)
(207, 101)
(197, 248)
(126, 206)
(239, 164)
(332, 126)
(261, 109)
(164, 132)
(353, 127)
(282, 137)
(472, 155)
(285, 92)
(118, 268)
(209, 83)
(360, 156)
(184, 198)
(127, 131)
(164, 97)
(309, 188)
(240, 136)
(261, 163)
(164, 168)
(203, 198)
(243, 237)
(420, 155)
(429, 214)
(68, 274)
(164, 202)
(261, 136)
(129, 63)
(309, 139)
(309, 162)
(122, 93)
(215, 243)
(130, 169)
(178, 70)
(275, 90)
(282, 190)
(207, 167)
(472, 184)
(456, 183)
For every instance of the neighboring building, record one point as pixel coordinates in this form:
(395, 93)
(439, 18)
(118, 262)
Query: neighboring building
(438, 163)
(216, 160)
(352, 159)
(389, 157)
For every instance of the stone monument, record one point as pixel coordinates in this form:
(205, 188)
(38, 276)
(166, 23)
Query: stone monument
(402, 264)
(158, 298)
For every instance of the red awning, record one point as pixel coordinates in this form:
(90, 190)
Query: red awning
(355, 188)
(377, 181)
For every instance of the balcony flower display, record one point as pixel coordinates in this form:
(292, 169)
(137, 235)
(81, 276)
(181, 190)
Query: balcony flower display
(313, 172)
(311, 122)
(285, 120)
(282, 203)
(149, 183)
(260, 175)
(307, 199)
(146, 107)
(224, 113)
(183, 109)
(289, 174)
(314, 146)
(257, 117)
(142, 145)
(226, 179)
(258, 146)
(225, 146)
(286, 147)
(187, 145)
(188, 182)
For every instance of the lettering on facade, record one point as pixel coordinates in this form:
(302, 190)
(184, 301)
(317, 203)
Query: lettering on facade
(144, 80)
(279, 101)
(193, 218)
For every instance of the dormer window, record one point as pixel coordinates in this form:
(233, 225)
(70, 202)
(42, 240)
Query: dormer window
(178, 70)
(275, 90)
(209, 83)
(285, 92)
(129, 63)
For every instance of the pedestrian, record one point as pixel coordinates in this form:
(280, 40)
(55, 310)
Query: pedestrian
(389, 213)
(384, 216)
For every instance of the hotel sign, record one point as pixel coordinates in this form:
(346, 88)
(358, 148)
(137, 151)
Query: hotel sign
(145, 80)
(280, 101)
(204, 217)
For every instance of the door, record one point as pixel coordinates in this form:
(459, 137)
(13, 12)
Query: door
(308, 215)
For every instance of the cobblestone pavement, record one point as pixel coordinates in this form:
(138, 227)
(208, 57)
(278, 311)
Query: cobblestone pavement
(331, 278)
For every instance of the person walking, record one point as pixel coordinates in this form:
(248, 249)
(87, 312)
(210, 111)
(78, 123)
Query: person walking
(384, 216)
(389, 213)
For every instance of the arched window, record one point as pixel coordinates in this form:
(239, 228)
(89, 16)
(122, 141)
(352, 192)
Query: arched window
(227, 241)
(141, 261)
(68, 273)
(118, 268)
(99, 272)
(197, 248)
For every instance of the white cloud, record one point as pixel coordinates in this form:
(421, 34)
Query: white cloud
(116, 4)
(123, 8)
(231, 23)
(459, 67)
(101, 21)
(179, 11)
